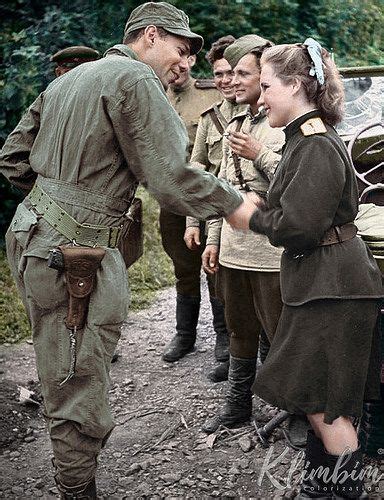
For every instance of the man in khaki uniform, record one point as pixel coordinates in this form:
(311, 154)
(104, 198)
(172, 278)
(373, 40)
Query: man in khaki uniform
(90, 138)
(70, 57)
(249, 265)
(189, 97)
(207, 153)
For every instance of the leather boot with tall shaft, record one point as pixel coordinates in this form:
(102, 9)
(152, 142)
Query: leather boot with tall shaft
(331, 476)
(220, 327)
(238, 405)
(187, 317)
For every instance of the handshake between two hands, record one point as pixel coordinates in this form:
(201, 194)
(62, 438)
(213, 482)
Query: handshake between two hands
(239, 219)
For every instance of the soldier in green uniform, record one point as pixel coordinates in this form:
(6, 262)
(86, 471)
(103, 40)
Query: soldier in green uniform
(70, 57)
(248, 279)
(189, 97)
(90, 138)
(207, 154)
(324, 358)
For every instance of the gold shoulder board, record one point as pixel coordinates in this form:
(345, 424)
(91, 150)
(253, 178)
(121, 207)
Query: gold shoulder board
(313, 126)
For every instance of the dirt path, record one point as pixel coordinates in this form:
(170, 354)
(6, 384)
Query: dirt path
(157, 449)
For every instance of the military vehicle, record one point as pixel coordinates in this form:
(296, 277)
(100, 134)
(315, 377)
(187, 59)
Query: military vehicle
(363, 128)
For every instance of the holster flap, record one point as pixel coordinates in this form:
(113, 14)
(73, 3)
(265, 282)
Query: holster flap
(80, 264)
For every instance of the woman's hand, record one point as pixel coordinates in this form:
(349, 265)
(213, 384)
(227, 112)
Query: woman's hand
(192, 237)
(210, 259)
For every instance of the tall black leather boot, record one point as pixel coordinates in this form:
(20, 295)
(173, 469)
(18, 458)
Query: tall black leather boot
(238, 405)
(350, 479)
(187, 316)
(314, 483)
(83, 492)
(331, 476)
(220, 327)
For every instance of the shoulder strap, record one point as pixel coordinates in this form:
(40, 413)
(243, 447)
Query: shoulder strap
(236, 160)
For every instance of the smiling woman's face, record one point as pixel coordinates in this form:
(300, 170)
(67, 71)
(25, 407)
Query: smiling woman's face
(277, 97)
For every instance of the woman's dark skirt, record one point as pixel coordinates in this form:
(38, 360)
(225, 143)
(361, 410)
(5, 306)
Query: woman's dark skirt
(324, 358)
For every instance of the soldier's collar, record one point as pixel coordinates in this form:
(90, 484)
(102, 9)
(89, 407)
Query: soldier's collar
(121, 50)
(295, 125)
(257, 117)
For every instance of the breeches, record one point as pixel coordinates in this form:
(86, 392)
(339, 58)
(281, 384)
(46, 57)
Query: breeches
(252, 301)
(187, 263)
(77, 412)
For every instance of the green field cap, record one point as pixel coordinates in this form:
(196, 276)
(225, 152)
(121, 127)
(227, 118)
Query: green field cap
(166, 16)
(243, 46)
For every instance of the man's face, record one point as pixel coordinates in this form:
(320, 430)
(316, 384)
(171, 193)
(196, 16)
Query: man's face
(168, 57)
(247, 81)
(223, 76)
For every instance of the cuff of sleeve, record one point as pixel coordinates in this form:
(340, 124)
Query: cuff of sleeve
(254, 222)
(192, 222)
(257, 161)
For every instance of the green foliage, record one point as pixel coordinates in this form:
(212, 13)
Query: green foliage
(14, 325)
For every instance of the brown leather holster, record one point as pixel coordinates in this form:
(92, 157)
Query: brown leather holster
(80, 266)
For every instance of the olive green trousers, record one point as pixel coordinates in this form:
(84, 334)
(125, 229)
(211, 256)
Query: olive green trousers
(77, 412)
(252, 302)
(186, 262)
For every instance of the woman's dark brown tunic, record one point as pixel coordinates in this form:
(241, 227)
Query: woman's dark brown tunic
(324, 351)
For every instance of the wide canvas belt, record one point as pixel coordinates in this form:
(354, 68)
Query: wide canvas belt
(82, 234)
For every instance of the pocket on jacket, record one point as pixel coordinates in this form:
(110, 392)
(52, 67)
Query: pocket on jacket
(23, 224)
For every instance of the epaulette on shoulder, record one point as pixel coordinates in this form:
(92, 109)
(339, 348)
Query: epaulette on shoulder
(313, 126)
(208, 110)
(239, 116)
(205, 83)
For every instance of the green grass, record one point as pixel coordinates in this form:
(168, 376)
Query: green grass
(14, 324)
(150, 273)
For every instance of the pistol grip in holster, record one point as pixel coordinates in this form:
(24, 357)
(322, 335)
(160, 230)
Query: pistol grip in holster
(80, 265)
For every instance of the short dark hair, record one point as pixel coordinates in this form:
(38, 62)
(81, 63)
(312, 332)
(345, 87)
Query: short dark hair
(218, 47)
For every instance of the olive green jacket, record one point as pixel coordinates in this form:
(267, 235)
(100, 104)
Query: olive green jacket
(242, 249)
(104, 127)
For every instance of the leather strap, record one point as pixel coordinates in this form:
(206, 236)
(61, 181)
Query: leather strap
(236, 161)
(338, 234)
(83, 234)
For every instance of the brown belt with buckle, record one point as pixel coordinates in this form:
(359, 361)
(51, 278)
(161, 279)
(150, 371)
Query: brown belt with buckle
(338, 234)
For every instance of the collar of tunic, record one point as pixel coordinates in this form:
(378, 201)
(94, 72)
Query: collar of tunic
(294, 126)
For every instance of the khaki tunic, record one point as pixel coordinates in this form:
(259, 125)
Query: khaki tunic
(190, 101)
(242, 249)
(207, 151)
(90, 138)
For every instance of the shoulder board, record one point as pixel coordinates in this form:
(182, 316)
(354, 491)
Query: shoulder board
(313, 126)
(205, 84)
(240, 116)
(208, 110)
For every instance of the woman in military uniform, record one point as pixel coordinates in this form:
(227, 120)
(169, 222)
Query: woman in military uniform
(322, 362)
